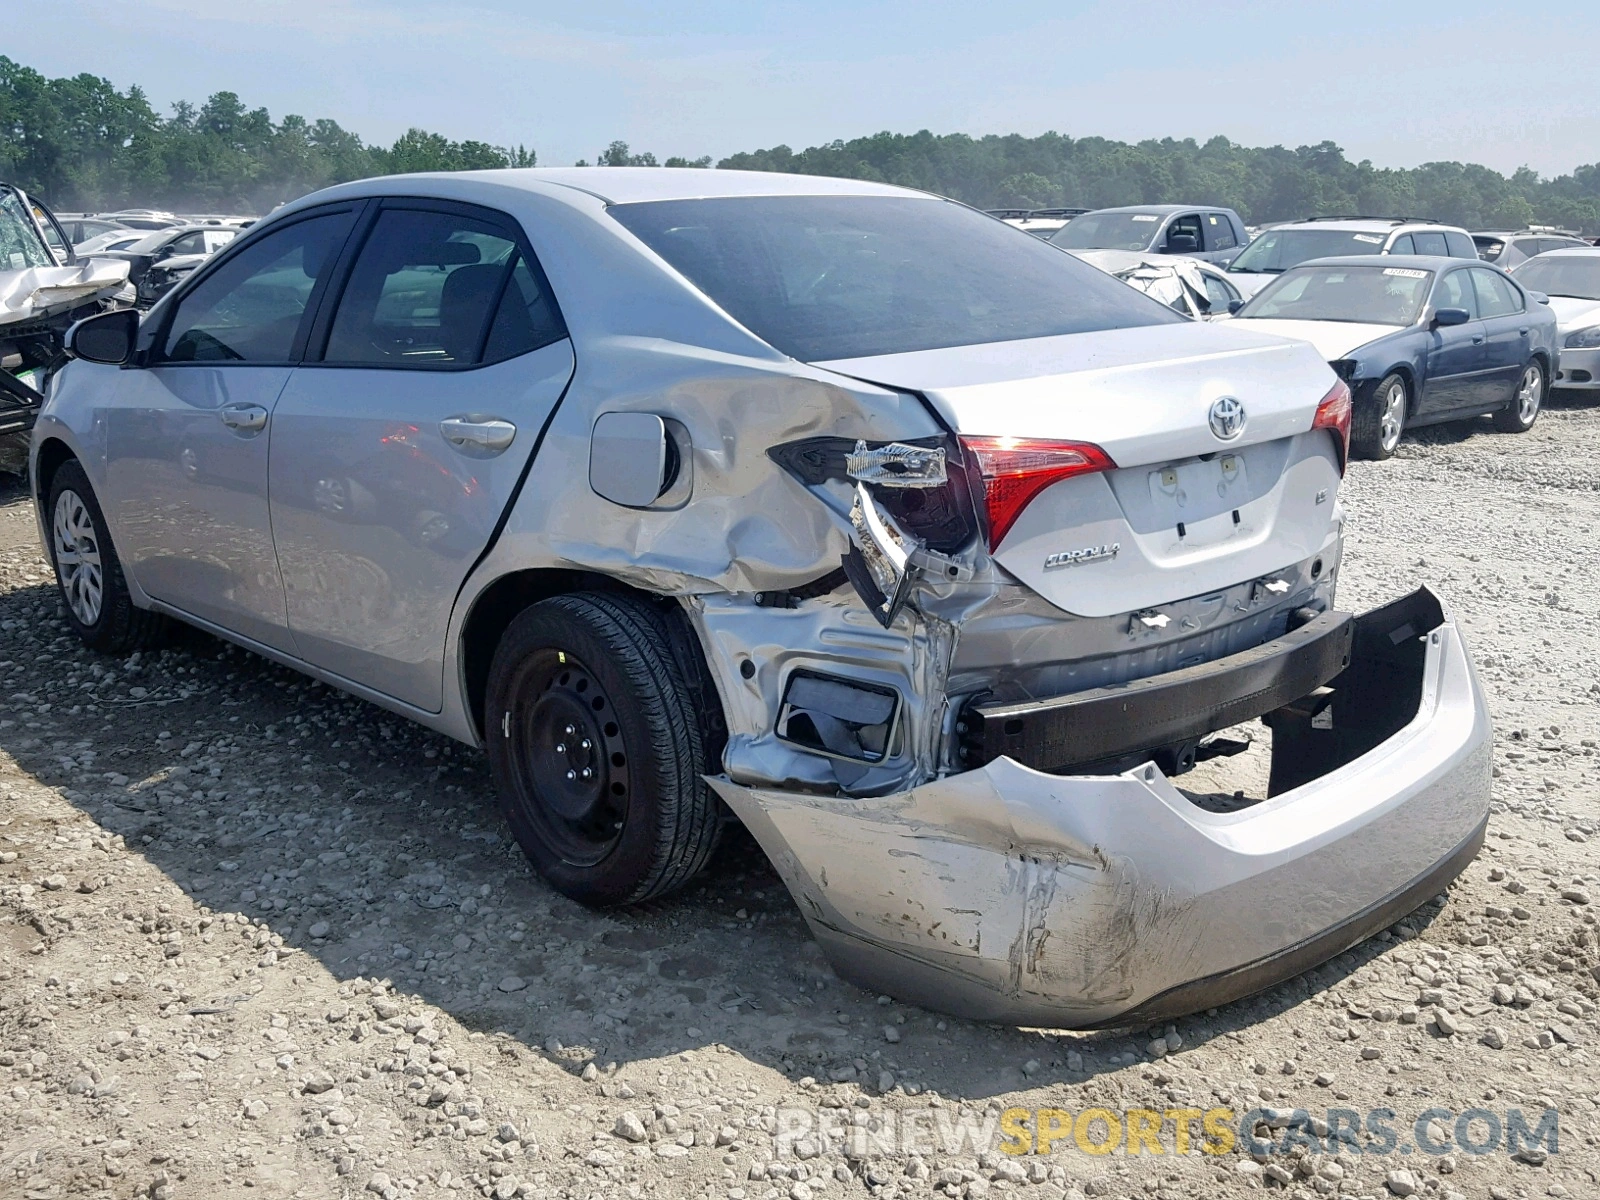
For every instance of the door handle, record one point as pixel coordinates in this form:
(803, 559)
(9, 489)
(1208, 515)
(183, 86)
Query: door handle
(1523, 331)
(244, 417)
(478, 436)
(1477, 339)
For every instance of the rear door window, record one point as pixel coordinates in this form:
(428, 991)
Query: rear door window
(1403, 245)
(1460, 245)
(1219, 232)
(1496, 297)
(440, 289)
(1431, 243)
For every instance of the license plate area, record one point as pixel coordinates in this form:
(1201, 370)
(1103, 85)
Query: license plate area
(1200, 487)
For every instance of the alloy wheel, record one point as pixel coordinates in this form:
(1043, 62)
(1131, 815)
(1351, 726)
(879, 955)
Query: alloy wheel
(77, 553)
(1393, 420)
(1530, 394)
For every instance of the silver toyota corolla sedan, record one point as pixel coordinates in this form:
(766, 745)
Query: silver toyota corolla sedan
(933, 555)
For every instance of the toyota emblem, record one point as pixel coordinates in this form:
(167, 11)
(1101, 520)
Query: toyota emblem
(1227, 418)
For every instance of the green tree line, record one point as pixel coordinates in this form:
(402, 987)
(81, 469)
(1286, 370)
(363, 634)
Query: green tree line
(81, 144)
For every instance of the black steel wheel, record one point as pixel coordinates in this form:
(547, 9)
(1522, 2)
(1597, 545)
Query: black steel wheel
(598, 749)
(569, 748)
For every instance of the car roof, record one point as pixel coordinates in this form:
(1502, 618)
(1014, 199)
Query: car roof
(1571, 252)
(1421, 262)
(1369, 225)
(630, 185)
(1158, 208)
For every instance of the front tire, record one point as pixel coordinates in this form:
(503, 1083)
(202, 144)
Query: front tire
(99, 607)
(598, 750)
(1380, 418)
(1526, 400)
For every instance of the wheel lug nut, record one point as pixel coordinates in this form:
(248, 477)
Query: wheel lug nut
(572, 775)
(587, 773)
(570, 731)
(561, 747)
(585, 744)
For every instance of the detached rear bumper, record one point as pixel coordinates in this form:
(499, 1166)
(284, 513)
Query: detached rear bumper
(1008, 894)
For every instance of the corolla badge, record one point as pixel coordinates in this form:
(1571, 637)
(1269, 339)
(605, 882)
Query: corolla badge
(1073, 558)
(1227, 418)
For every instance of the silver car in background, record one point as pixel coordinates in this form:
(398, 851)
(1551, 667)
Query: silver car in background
(1571, 278)
(933, 555)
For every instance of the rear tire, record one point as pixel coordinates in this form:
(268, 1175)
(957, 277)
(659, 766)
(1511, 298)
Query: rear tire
(1379, 421)
(598, 750)
(1527, 399)
(93, 589)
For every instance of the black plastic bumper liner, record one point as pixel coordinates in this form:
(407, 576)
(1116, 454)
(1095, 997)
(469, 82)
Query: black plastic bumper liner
(1111, 722)
(19, 404)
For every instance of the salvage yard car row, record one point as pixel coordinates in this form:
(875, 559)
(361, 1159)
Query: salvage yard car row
(934, 556)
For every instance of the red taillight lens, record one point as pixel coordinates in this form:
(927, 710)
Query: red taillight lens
(1015, 470)
(1334, 414)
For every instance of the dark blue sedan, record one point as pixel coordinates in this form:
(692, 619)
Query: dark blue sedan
(1419, 339)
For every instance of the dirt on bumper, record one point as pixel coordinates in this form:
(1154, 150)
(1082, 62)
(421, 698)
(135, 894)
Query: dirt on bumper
(1008, 894)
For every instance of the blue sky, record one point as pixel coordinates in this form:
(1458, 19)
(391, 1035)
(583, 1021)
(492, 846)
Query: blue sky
(1397, 82)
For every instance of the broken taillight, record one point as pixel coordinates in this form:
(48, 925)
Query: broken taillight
(940, 515)
(1015, 470)
(1333, 414)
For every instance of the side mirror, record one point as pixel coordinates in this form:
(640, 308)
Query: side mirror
(1539, 297)
(105, 338)
(1235, 305)
(1450, 316)
(1182, 243)
(638, 460)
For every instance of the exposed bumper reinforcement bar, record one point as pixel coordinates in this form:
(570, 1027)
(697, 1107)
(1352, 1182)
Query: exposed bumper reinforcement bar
(1009, 894)
(1111, 722)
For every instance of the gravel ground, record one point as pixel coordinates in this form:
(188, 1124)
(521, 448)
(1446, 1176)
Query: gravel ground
(261, 939)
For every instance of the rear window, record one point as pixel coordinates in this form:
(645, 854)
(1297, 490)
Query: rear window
(830, 277)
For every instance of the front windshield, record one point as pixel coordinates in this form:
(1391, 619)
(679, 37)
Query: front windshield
(1366, 295)
(1109, 231)
(831, 277)
(1575, 275)
(1279, 249)
(20, 244)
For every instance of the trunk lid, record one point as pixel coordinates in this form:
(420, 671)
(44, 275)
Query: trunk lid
(1185, 512)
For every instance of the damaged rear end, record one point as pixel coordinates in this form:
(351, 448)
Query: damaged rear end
(964, 750)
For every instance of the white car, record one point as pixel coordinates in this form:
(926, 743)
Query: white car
(1571, 278)
(1188, 285)
(1278, 247)
(933, 555)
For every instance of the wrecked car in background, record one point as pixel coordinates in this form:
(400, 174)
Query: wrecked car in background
(935, 554)
(43, 290)
(164, 257)
(1186, 285)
